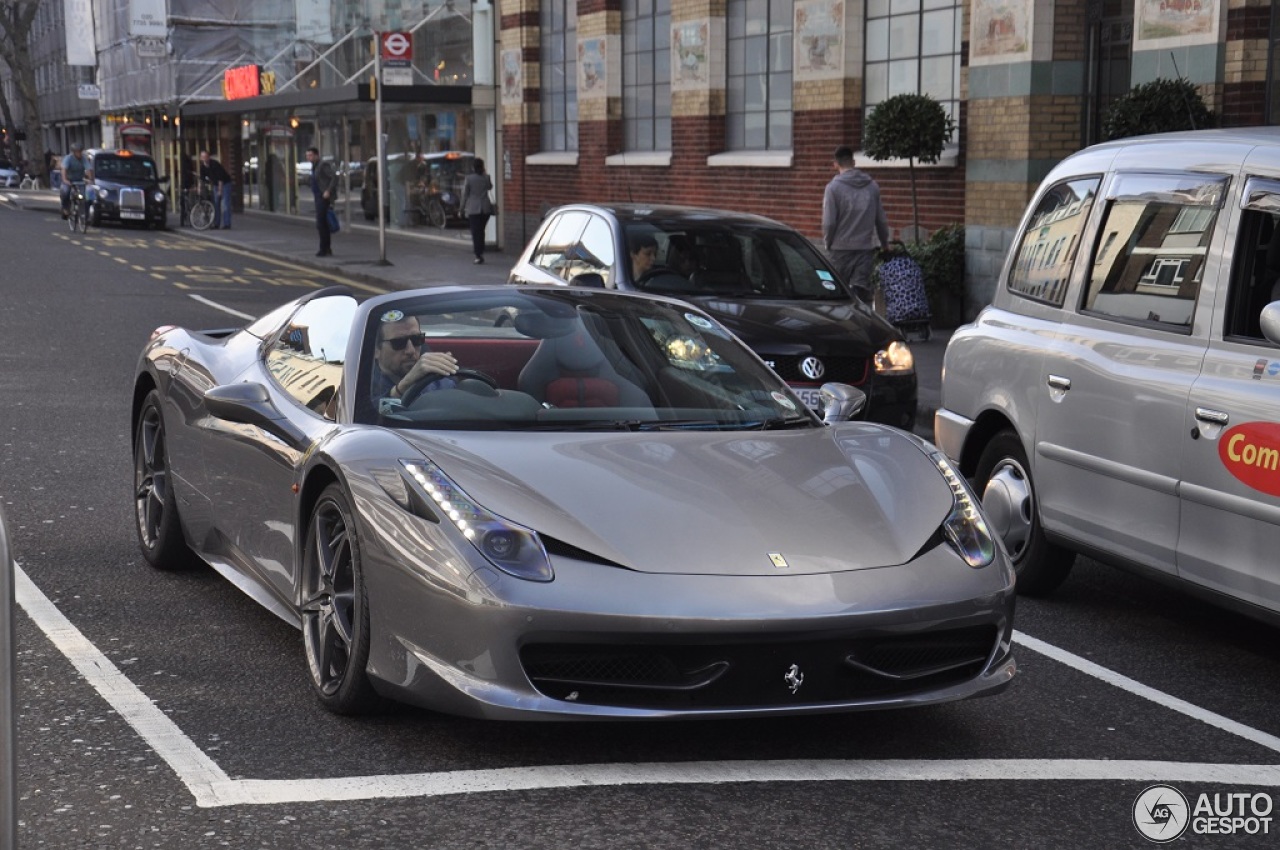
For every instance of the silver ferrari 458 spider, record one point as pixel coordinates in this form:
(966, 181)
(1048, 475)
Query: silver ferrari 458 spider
(549, 502)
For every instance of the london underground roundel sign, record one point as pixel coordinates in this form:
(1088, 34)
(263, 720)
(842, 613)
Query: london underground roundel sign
(397, 46)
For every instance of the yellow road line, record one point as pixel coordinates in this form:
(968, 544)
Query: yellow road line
(309, 270)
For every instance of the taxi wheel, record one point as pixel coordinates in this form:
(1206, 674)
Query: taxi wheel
(1003, 477)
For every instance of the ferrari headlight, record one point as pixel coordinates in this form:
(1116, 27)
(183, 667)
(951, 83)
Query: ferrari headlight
(965, 528)
(511, 548)
(894, 360)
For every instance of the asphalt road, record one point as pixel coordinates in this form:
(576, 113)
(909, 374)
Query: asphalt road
(167, 710)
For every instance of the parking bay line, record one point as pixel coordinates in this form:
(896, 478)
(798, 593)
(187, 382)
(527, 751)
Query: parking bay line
(212, 787)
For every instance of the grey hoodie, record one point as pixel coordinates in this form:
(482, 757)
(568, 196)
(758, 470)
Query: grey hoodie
(853, 218)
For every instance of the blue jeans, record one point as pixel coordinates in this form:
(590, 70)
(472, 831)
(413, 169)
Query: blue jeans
(222, 205)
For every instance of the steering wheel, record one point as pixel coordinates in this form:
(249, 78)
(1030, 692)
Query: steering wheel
(654, 271)
(410, 395)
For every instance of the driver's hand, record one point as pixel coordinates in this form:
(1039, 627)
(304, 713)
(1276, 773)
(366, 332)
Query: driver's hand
(432, 363)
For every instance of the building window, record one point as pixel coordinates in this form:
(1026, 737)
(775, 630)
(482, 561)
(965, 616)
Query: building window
(646, 74)
(758, 93)
(559, 75)
(913, 47)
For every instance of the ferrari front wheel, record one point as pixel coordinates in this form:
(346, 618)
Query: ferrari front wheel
(335, 609)
(155, 506)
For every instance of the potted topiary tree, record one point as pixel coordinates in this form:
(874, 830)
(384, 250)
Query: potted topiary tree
(1160, 106)
(913, 127)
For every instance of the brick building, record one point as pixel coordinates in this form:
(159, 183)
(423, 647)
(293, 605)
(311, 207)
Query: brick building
(740, 103)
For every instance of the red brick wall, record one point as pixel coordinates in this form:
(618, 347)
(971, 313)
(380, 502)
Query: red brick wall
(792, 195)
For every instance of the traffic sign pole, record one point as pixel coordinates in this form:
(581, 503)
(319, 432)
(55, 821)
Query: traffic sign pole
(382, 154)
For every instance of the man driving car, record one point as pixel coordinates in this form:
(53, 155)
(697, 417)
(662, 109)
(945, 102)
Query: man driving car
(403, 359)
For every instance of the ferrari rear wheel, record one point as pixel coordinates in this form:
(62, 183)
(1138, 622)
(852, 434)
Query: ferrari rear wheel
(335, 609)
(155, 506)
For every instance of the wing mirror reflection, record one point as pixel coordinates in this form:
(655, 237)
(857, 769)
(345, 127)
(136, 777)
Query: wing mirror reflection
(841, 402)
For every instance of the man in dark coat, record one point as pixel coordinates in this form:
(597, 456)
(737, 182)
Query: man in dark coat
(212, 171)
(323, 184)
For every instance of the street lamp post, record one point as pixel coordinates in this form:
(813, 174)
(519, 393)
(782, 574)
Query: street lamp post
(382, 151)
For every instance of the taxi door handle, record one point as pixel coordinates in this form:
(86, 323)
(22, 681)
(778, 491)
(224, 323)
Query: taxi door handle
(1212, 417)
(1058, 382)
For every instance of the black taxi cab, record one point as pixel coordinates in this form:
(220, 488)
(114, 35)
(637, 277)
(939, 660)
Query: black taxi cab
(126, 188)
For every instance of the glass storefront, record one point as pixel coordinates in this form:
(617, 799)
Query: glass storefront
(429, 151)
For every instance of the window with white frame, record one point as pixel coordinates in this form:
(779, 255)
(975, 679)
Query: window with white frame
(646, 74)
(758, 89)
(913, 47)
(559, 101)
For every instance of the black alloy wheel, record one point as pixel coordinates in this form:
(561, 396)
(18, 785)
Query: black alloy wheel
(335, 620)
(155, 506)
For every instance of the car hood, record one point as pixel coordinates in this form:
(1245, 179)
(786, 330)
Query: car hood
(801, 327)
(830, 499)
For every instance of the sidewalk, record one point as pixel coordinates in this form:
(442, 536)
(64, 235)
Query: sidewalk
(424, 259)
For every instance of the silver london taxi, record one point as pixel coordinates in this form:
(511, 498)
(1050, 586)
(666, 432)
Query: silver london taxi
(1120, 397)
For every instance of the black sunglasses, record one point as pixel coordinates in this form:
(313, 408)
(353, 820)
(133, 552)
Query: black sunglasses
(400, 342)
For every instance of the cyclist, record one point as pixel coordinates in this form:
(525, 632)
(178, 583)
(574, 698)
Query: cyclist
(75, 169)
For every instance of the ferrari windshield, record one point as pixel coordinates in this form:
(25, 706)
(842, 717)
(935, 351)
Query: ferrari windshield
(535, 359)
(707, 257)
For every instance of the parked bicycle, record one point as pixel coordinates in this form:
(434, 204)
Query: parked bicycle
(197, 206)
(78, 215)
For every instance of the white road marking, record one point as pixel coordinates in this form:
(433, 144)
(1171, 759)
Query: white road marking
(194, 768)
(212, 787)
(215, 305)
(1160, 698)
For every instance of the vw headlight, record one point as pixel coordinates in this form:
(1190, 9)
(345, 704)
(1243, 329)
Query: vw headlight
(511, 548)
(895, 360)
(965, 528)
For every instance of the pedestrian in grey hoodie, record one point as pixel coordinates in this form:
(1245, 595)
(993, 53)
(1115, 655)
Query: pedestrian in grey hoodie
(854, 225)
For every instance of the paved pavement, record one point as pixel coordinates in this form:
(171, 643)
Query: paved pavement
(425, 259)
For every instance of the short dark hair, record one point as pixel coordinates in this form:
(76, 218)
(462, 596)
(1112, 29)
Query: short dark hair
(844, 155)
(313, 150)
(640, 241)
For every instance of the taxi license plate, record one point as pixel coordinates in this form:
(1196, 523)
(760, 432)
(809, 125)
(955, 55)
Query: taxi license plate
(810, 396)
(127, 214)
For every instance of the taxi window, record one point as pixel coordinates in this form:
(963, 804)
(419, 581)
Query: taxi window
(306, 359)
(1152, 247)
(1255, 271)
(1049, 244)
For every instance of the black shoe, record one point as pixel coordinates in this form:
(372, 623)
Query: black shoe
(479, 260)
(324, 253)
(216, 227)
